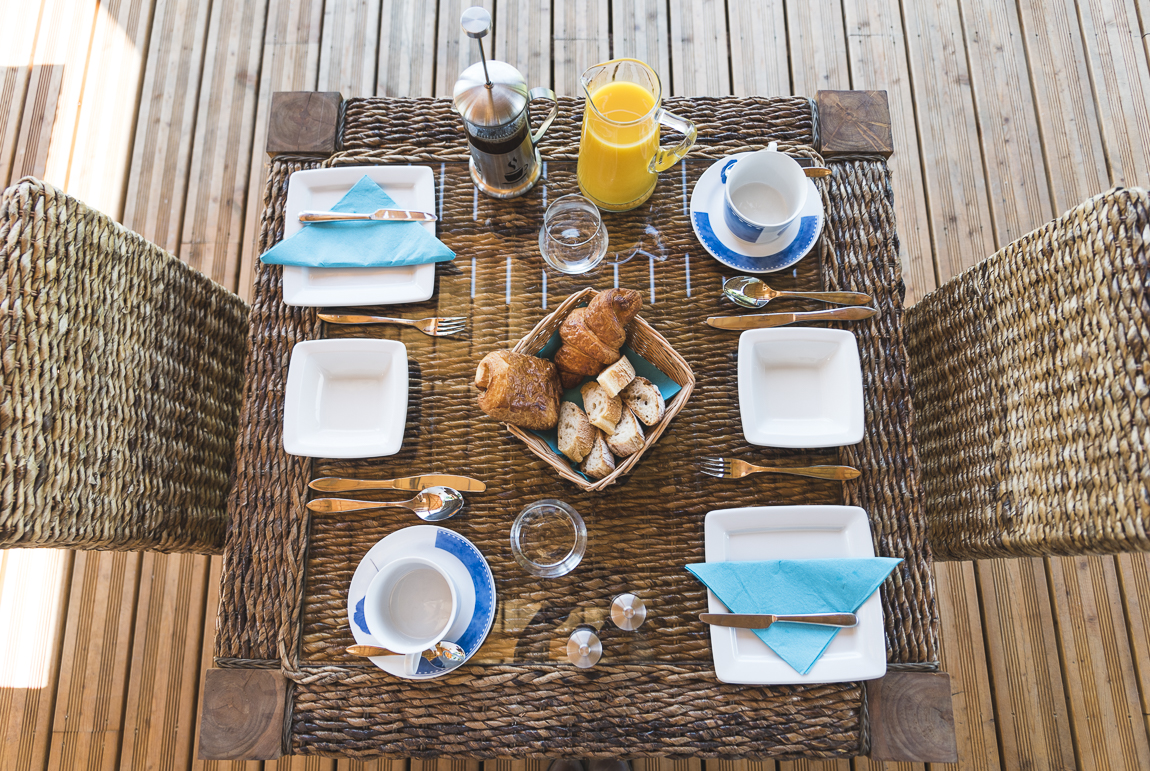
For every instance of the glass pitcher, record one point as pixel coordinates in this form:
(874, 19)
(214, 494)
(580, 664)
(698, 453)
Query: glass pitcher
(619, 152)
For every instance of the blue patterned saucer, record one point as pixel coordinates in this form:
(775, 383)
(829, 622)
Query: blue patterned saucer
(474, 584)
(707, 219)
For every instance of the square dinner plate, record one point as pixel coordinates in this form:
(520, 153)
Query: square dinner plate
(794, 532)
(800, 387)
(346, 398)
(412, 187)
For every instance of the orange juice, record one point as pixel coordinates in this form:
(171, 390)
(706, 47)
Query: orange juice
(618, 144)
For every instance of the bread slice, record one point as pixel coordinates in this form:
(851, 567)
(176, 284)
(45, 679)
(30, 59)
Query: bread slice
(628, 437)
(645, 401)
(576, 435)
(604, 411)
(616, 377)
(599, 462)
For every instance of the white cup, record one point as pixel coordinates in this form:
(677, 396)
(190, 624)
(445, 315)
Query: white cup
(763, 193)
(410, 605)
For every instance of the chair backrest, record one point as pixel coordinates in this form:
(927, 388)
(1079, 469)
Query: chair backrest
(121, 375)
(1031, 377)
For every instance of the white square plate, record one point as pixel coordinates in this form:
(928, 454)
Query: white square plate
(346, 398)
(412, 187)
(800, 387)
(794, 533)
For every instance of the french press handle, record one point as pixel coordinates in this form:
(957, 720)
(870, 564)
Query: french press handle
(542, 92)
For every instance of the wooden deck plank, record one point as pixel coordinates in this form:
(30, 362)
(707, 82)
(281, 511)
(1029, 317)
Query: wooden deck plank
(454, 50)
(33, 589)
(1106, 716)
(640, 30)
(815, 765)
(509, 765)
(1068, 121)
(222, 147)
(98, 171)
(37, 121)
(1119, 73)
(963, 657)
(758, 45)
(1031, 708)
(1134, 580)
(740, 765)
(166, 123)
(300, 763)
(699, 49)
(207, 647)
(160, 716)
(443, 765)
(523, 38)
(818, 48)
(374, 765)
(88, 722)
(17, 38)
(877, 52)
(581, 40)
(407, 56)
(349, 47)
(1008, 123)
(290, 62)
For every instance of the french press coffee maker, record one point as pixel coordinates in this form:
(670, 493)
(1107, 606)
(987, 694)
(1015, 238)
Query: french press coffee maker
(493, 100)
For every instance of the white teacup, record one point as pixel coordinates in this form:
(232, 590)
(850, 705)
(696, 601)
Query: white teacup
(763, 193)
(410, 605)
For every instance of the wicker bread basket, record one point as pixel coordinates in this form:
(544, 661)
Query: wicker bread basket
(645, 341)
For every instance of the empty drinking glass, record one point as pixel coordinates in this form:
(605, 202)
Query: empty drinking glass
(548, 538)
(573, 238)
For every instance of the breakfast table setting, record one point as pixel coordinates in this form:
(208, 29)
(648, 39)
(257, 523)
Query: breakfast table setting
(543, 456)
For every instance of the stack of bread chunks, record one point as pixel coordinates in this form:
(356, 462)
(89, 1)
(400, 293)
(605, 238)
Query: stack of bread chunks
(617, 403)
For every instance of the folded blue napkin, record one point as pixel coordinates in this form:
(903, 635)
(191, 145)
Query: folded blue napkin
(361, 244)
(781, 587)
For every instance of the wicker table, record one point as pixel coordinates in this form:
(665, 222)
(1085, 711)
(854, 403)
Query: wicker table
(286, 575)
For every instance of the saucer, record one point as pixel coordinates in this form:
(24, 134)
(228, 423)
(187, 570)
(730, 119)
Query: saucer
(468, 570)
(791, 245)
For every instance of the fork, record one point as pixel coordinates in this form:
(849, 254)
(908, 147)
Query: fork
(436, 327)
(737, 469)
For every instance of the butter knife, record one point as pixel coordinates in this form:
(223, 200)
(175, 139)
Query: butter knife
(397, 215)
(761, 320)
(764, 620)
(341, 485)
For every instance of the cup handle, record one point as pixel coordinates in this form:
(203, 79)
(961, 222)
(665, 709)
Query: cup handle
(666, 158)
(543, 92)
(411, 663)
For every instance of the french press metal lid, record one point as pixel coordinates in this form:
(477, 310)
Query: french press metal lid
(493, 99)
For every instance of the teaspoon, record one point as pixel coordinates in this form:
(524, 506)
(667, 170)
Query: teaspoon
(441, 655)
(432, 505)
(753, 293)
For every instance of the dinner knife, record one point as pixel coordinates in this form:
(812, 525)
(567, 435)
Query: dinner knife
(764, 620)
(341, 485)
(761, 320)
(396, 215)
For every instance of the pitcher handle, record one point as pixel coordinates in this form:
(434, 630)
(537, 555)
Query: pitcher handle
(666, 158)
(542, 92)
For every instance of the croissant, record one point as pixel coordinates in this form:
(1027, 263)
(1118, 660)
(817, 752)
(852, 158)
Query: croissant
(592, 336)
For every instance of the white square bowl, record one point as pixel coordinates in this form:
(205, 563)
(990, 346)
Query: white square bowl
(794, 533)
(800, 387)
(346, 398)
(411, 187)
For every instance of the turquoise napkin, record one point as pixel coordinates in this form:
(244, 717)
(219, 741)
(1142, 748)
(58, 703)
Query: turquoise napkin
(795, 586)
(363, 244)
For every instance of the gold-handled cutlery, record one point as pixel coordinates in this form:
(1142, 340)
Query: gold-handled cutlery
(763, 320)
(379, 215)
(753, 293)
(441, 655)
(436, 327)
(725, 468)
(341, 485)
(432, 505)
(764, 620)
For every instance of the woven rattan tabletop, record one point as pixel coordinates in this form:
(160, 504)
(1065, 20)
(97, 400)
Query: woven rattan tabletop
(286, 575)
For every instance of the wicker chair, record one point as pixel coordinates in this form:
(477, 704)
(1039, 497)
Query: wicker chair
(122, 371)
(1032, 391)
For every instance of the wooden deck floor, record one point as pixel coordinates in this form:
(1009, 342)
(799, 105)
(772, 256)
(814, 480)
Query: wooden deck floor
(1005, 114)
